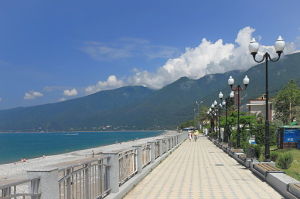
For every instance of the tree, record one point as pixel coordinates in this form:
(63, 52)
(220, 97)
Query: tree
(246, 123)
(286, 101)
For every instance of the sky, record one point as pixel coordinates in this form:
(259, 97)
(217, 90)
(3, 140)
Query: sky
(57, 50)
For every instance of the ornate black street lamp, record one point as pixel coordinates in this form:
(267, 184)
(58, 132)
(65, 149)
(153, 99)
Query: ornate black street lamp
(253, 48)
(221, 99)
(211, 114)
(238, 88)
(225, 104)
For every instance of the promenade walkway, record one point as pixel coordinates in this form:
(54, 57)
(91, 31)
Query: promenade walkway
(201, 170)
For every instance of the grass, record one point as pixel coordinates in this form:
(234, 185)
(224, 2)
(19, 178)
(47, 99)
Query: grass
(294, 170)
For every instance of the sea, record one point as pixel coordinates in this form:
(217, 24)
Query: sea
(16, 146)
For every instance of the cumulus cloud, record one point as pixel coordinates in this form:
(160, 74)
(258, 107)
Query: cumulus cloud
(32, 95)
(126, 48)
(207, 58)
(70, 92)
(111, 83)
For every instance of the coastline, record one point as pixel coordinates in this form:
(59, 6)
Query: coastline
(20, 168)
(65, 131)
(34, 145)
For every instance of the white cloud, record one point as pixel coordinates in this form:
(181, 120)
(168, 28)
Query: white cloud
(70, 92)
(111, 83)
(126, 48)
(32, 95)
(206, 58)
(101, 51)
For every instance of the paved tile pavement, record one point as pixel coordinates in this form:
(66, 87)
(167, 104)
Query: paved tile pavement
(201, 170)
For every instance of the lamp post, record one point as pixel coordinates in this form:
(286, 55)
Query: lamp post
(238, 88)
(213, 111)
(253, 48)
(219, 120)
(215, 108)
(213, 116)
(210, 113)
(225, 104)
(221, 99)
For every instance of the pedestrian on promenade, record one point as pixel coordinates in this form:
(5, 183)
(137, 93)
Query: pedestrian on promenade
(196, 133)
(190, 136)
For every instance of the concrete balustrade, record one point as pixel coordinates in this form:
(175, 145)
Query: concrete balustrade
(164, 146)
(110, 174)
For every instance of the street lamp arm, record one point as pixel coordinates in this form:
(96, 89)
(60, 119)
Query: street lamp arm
(262, 59)
(266, 56)
(275, 59)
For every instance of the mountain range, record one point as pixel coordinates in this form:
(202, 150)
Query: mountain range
(137, 107)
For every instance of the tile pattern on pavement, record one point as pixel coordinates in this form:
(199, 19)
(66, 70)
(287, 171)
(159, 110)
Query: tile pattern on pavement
(201, 170)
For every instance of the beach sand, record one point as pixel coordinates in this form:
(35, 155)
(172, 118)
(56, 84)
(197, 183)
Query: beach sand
(20, 168)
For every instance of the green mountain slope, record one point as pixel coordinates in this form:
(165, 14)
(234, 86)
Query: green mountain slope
(81, 113)
(137, 107)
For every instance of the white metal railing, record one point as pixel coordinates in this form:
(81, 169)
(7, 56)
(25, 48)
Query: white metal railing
(86, 180)
(127, 165)
(20, 188)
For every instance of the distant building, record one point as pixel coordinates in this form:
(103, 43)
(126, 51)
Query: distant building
(258, 107)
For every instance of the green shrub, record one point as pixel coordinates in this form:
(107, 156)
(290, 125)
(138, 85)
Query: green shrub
(274, 155)
(258, 150)
(245, 145)
(284, 160)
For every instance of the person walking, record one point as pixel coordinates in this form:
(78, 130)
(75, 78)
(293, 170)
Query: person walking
(190, 136)
(196, 133)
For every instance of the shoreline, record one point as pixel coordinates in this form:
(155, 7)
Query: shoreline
(20, 168)
(161, 132)
(81, 131)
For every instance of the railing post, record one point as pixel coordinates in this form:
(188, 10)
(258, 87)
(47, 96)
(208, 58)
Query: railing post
(6, 192)
(68, 184)
(173, 141)
(48, 183)
(139, 162)
(152, 149)
(35, 186)
(160, 147)
(114, 172)
(105, 175)
(87, 182)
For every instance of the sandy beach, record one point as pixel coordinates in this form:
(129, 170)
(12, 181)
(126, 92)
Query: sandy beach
(20, 168)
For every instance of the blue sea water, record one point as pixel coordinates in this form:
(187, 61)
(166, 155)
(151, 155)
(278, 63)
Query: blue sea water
(15, 146)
